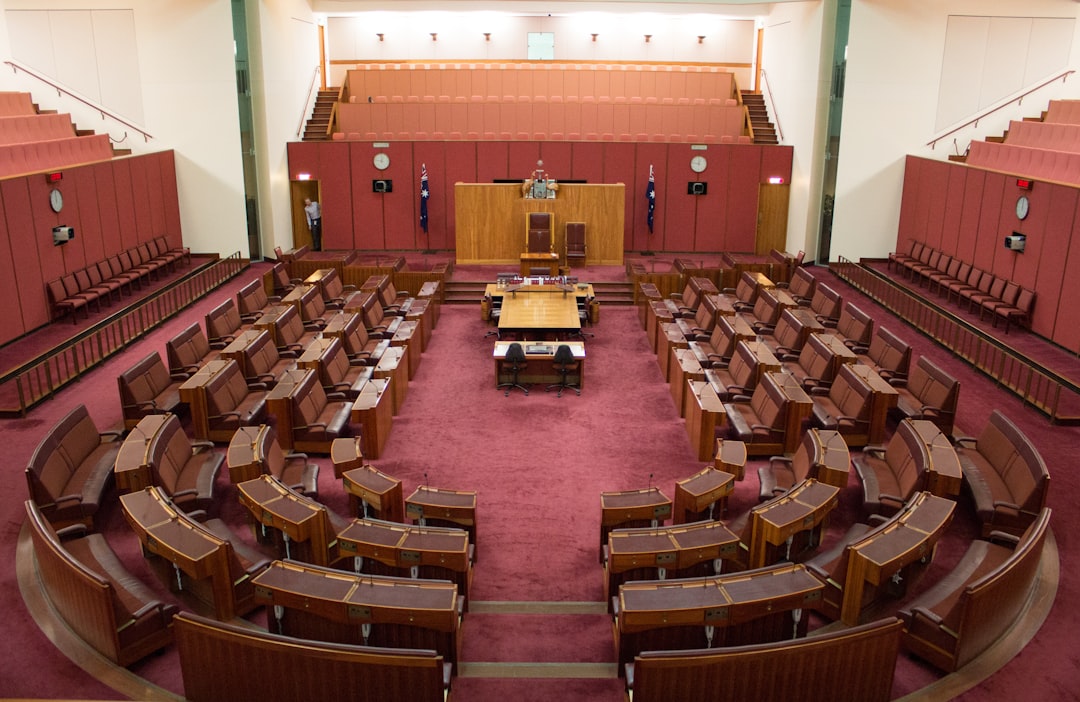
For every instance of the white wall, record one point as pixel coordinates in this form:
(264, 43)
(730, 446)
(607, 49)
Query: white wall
(895, 55)
(284, 51)
(185, 60)
(796, 56)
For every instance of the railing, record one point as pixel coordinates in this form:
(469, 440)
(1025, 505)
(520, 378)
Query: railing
(1043, 389)
(62, 91)
(38, 379)
(312, 94)
(1019, 100)
(772, 105)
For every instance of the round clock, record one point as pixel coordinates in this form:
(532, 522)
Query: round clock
(381, 161)
(56, 200)
(698, 164)
(1022, 206)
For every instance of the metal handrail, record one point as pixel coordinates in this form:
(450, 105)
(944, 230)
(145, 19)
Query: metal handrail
(312, 88)
(772, 104)
(1019, 100)
(63, 91)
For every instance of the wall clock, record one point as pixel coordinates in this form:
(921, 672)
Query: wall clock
(381, 161)
(56, 200)
(698, 164)
(1022, 207)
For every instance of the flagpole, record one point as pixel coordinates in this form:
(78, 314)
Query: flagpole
(425, 195)
(650, 196)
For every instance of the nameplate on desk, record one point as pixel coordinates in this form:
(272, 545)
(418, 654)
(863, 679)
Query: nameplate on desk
(359, 612)
(410, 556)
(414, 510)
(661, 511)
(716, 614)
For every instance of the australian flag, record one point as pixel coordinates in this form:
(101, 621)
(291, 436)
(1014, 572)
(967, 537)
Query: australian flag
(425, 193)
(650, 195)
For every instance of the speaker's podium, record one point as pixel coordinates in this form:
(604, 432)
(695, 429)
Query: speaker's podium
(539, 257)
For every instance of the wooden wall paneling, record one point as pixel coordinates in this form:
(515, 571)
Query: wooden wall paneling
(171, 198)
(401, 208)
(461, 167)
(31, 247)
(967, 232)
(523, 156)
(680, 209)
(333, 170)
(1024, 267)
(125, 203)
(140, 189)
(744, 179)
(989, 218)
(12, 324)
(1062, 300)
(492, 161)
(1057, 248)
(482, 213)
(925, 196)
(557, 157)
(88, 205)
(155, 198)
(433, 154)
(950, 222)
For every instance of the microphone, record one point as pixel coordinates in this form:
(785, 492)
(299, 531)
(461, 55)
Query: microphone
(650, 481)
(426, 485)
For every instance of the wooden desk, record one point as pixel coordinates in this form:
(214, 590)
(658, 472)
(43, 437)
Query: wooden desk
(429, 506)
(300, 520)
(549, 260)
(132, 469)
(774, 524)
(704, 413)
(909, 538)
(885, 397)
(799, 408)
(808, 322)
(541, 370)
(943, 473)
(193, 392)
(331, 605)
(698, 496)
(373, 494)
(393, 367)
(243, 457)
(657, 313)
(673, 551)
(631, 508)
(832, 457)
(748, 607)
(841, 354)
(668, 337)
(405, 549)
(730, 457)
(539, 308)
(373, 410)
(316, 278)
(683, 367)
(279, 404)
(172, 535)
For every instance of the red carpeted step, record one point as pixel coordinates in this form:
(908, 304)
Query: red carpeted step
(538, 638)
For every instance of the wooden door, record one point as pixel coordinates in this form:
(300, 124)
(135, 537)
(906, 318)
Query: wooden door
(772, 217)
(302, 189)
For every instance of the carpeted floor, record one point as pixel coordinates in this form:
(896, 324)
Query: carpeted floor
(539, 463)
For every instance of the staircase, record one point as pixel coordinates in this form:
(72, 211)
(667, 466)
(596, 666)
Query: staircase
(316, 127)
(764, 130)
(470, 292)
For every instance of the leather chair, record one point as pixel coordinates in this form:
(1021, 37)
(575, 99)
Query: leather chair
(760, 423)
(317, 418)
(575, 243)
(514, 362)
(231, 404)
(891, 474)
(292, 469)
(252, 300)
(538, 237)
(361, 349)
(889, 355)
(565, 364)
(223, 323)
(147, 388)
(187, 351)
(338, 375)
(184, 469)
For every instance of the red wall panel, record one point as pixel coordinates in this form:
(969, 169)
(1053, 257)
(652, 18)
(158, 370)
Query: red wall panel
(588, 162)
(334, 173)
(88, 204)
(523, 156)
(967, 232)
(618, 164)
(989, 217)
(1066, 330)
(12, 323)
(368, 223)
(1056, 248)
(557, 158)
(441, 188)
(665, 219)
(28, 244)
(491, 161)
(937, 181)
(954, 209)
(125, 204)
(170, 198)
(401, 208)
(155, 199)
(108, 210)
(744, 180)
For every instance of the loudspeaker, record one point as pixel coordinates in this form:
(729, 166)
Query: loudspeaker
(696, 187)
(382, 186)
(1016, 242)
(62, 234)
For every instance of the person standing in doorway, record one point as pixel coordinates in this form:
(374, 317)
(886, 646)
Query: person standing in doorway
(313, 212)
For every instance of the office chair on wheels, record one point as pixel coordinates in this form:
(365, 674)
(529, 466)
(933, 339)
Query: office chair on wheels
(515, 362)
(565, 364)
(583, 316)
(495, 312)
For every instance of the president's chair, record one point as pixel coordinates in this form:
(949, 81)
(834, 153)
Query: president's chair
(514, 362)
(575, 243)
(538, 232)
(565, 364)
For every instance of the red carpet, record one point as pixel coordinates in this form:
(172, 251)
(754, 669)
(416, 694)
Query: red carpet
(539, 464)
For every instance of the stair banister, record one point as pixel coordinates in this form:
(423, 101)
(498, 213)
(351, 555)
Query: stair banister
(772, 105)
(312, 93)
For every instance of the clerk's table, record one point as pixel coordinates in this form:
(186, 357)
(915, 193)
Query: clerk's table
(540, 357)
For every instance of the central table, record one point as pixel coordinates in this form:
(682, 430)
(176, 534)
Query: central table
(545, 308)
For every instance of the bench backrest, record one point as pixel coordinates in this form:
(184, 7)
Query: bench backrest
(168, 453)
(852, 396)
(261, 355)
(770, 405)
(935, 388)
(224, 661)
(251, 299)
(289, 328)
(222, 322)
(1016, 460)
(802, 284)
(889, 352)
(144, 381)
(856, 663)
(788, 331)
(225, 391)
(826, 302)
(60, 454)
(906, 458)
(187, 350)
(309, 400)
(855, 325)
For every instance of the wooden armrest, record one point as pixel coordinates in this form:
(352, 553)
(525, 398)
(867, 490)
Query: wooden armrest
(178, 376)
(143, 405)
(856, 346)
(256, 385)
(740, 398)
(148, 608)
